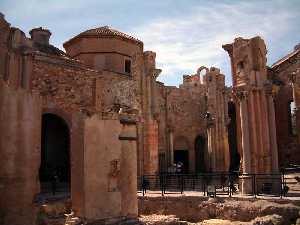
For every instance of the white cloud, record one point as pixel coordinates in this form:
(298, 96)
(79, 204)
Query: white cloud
(186, 42)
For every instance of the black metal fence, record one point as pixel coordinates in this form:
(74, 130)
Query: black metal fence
(229, 184)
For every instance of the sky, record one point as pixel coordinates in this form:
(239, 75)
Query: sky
(185, 34)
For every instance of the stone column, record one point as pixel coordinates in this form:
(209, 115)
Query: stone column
(295, 80)
(253, 126)
(209, 145)
(246, 181)
(128, 172)
(245, 133)
(171, 147)
(273, 140)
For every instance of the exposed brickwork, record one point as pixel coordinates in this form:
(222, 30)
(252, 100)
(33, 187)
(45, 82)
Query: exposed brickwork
(69, 88)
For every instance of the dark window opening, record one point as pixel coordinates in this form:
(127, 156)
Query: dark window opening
(182, 157)
(240, 66)
(127, 66)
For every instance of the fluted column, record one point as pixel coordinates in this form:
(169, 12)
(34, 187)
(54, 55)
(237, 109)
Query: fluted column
(245, 132)
(272, 133)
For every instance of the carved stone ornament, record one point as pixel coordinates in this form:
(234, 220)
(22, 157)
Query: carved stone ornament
(242, 95)
(114, 168)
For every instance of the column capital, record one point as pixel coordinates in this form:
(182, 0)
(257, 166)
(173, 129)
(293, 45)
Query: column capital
(242, 95)
(294, 77)
(268, 88)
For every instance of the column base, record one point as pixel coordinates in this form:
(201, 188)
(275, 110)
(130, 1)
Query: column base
(245, 182)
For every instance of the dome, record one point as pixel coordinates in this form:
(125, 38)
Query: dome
(104, 32)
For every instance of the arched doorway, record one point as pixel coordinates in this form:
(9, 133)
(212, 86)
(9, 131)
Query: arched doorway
(232, 138)
(200, 144)
(55, 154)
(181, 153)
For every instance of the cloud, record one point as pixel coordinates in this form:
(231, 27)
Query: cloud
(185, 42)
(184, 34)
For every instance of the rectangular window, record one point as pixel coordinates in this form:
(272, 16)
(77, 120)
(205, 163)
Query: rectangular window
(127, 66)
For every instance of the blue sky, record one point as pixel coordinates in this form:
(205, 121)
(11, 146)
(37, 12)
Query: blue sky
(185, 34)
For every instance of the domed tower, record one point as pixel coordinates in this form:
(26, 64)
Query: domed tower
(104, 48)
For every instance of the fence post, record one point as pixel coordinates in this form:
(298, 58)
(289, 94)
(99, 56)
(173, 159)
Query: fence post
(204, 184)
(194, 178)
(282, 184)
(254, 185)
(230, 183)
(143, 185)
(182, 183)
(162, 185)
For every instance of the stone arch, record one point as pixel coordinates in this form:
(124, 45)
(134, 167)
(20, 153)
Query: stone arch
(199, 70)
(59, 112)
(55, 164)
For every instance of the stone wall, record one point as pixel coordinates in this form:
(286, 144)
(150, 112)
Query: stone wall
(20, 127)
(180, 112)
(108, 175)
(288, 143)
(64, 86)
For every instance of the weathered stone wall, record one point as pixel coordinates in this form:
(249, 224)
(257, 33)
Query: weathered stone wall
(20, 127)
(64, 86)
(217, 120)
(288, 143)
(101, 150)
(180, 112)
(109, 172)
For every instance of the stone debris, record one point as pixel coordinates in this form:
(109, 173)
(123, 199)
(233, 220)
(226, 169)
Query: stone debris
(195, 209)
(172, 220)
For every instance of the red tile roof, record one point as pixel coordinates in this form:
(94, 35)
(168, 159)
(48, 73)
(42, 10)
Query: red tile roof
(105, 31)
(285, 58)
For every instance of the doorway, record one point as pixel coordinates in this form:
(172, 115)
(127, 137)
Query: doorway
(232, 138)
(182, 156)
(55, 154)
(200, 154)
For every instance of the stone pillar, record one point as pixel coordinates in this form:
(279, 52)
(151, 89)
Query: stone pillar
(150, 154)
(128, 173)
(171, 147)
(295, 80)
(249, 73)
(245, 133)
(218, 148)
(20, 154)
(246, 180)
(273, 140)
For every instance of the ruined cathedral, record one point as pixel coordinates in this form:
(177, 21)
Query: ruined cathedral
(95, 116)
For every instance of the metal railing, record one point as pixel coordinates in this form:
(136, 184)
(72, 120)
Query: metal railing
(229, 184)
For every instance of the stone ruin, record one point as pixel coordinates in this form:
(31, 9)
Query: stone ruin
(95, 116)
